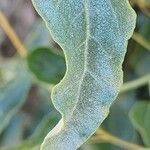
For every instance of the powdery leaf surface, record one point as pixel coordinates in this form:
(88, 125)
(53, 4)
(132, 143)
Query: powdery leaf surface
(94, 36)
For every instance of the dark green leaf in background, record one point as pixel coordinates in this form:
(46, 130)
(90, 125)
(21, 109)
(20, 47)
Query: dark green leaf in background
(140, 118)
(118, 123)
(47, 65)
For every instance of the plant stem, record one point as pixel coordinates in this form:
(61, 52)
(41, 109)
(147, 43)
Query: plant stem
(145, 7)
(141, 40)
(131, 85)
(12, 35)
(107, 137)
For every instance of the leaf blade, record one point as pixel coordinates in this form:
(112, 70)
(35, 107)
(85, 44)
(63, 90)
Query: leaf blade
(46, 65)
(13, 91)
(94, 42)
(139, 116)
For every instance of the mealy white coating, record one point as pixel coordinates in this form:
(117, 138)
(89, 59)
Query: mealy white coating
(94, 36)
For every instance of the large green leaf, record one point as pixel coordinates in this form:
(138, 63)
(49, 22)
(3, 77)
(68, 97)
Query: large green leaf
(46, 65)
(93, 35)
(140, 118)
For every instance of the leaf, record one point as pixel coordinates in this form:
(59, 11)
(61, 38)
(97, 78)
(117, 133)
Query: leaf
(118, 122)
(44, 126)
(11, 99)
(140, 118)
(93, 35)
(142, 65)
(13, 91)
(46, 65)
(32, 141)
(38, 36)
(14, 132)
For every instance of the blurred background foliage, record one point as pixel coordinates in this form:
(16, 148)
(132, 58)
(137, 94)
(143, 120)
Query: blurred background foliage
(26, 79)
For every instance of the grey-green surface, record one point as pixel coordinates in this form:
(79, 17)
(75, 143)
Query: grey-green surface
(93, 35)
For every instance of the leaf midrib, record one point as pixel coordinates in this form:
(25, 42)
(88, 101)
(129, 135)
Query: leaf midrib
(87, 17)
(88, 36)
